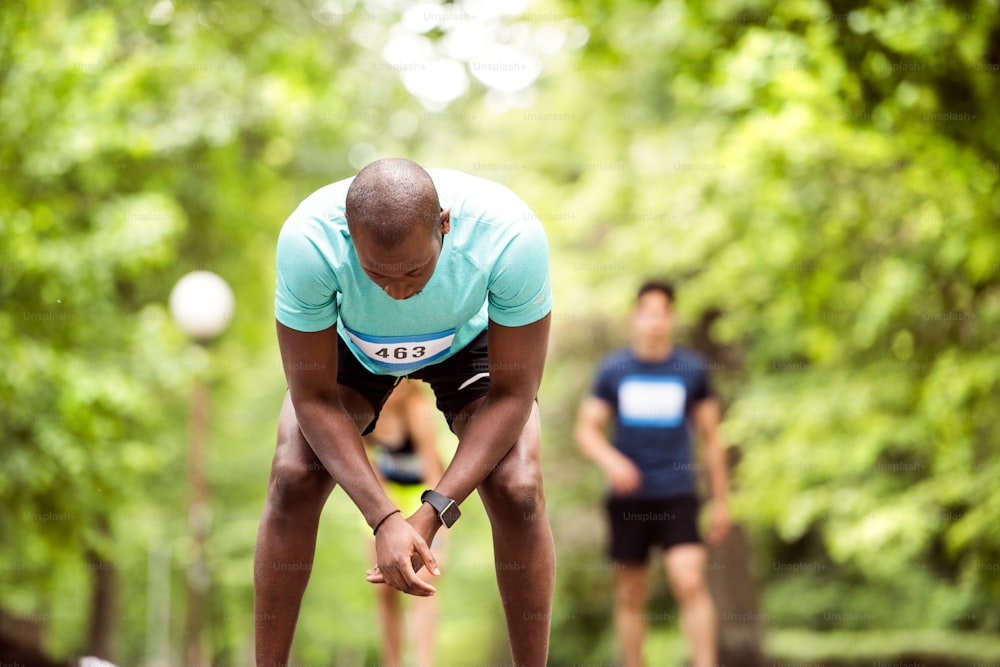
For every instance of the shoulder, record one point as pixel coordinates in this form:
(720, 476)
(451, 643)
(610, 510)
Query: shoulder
(691, 363)
(334, 194)
(461, 185)
(318, 221)
(616, 362)
(326, 204)
(687, 356)
(482, 202)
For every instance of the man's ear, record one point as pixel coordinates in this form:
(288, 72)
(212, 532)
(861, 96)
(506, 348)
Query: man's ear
(445, 225)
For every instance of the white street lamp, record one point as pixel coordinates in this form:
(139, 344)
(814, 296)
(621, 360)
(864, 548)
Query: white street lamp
(202, 305)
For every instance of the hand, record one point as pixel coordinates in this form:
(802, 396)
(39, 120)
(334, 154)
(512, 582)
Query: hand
(719, 524)
(623, 476)
(401, 550)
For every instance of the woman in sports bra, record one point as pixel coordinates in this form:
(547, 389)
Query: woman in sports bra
(403, 446)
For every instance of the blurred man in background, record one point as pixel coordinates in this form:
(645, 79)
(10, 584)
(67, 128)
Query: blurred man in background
(654, 393)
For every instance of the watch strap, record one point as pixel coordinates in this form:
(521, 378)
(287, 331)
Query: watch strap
(446, 508)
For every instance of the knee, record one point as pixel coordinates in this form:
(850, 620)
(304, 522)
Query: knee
(631, 595)
(296, 485)
(689, 586)
(517, 494)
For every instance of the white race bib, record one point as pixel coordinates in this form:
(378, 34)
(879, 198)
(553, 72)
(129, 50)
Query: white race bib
(403, 353)
(651, 401)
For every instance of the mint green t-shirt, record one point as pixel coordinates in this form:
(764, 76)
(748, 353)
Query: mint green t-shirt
(494, 264)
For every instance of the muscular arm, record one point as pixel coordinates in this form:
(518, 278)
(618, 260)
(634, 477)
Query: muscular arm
(310, 363)
(516, 362)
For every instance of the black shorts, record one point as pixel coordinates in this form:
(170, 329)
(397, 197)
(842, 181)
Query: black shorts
(456, 381)
(637, 524)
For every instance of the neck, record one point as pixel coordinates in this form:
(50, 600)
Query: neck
(653, 350)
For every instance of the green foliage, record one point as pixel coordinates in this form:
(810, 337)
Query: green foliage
(845, 649)
(821, 178)
(832, 221)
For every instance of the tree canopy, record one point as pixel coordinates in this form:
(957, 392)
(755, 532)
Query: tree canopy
(819, 177)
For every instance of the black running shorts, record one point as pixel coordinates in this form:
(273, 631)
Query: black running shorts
(456, 381)
(637, 524)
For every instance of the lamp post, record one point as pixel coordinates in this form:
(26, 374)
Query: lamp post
(202, 305)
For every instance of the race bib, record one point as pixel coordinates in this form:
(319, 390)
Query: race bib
(403, 353)
(651, 401)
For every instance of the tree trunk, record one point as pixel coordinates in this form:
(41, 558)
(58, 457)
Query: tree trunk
(741, 632)
(103, 606)
(21, 642)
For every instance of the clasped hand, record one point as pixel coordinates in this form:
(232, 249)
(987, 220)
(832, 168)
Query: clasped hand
(401, 549)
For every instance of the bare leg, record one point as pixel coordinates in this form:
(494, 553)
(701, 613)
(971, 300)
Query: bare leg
(523, 550)
(424, 624)
(630, 606)
(425, 610)
(685, 567)
(286, 540)
(391, 616)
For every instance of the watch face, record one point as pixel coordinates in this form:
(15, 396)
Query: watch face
(450, 515)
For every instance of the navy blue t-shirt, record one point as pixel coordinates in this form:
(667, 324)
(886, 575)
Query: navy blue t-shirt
(653, 402)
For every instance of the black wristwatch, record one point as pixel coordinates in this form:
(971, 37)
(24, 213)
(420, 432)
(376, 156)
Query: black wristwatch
(446, 508)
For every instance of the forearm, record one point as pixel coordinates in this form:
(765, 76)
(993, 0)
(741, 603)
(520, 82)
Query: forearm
(517, 361)
(491, 432)
(337, 443)
(595, 446)
(718, 476)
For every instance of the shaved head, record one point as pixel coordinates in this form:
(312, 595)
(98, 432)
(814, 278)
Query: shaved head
(389, 199)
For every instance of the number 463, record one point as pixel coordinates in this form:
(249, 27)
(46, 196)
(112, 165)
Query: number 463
(402, 352)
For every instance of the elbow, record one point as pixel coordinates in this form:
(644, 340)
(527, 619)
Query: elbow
(581, 437)
(516, 400)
